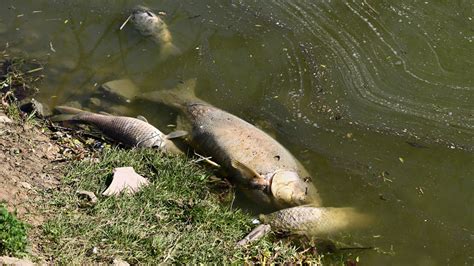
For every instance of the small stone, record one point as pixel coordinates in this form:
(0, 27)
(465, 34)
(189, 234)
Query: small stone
(93, 251)
(90, 195)
(36, 107)
(26, 185)
(5, 120)
(15, 261)
(119, 262)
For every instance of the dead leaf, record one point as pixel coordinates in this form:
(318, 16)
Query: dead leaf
(125, 180)
(90, 195)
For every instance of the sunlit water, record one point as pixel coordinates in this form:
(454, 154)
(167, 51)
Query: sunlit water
(376, 98)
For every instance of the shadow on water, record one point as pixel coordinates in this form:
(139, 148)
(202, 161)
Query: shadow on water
(374, 97)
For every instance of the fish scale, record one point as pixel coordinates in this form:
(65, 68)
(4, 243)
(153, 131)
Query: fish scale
(130, 131)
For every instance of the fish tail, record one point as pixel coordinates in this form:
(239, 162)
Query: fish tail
(349, 217)
(332, 220)
(341, 219)
(169, 49)
(177, 97)
(308, 220)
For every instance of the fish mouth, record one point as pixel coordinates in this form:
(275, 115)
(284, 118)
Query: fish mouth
(288, 188)
(263, 184)
(142, 11)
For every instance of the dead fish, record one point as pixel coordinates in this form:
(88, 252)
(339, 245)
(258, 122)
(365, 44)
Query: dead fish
(251, 157)
(130, 131)
(308, 221)
(151, 25)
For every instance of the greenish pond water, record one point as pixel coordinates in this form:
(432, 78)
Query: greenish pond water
(376, 98)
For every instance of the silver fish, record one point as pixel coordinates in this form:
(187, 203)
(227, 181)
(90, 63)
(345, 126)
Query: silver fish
(250, 156)
(130, 131)
(151, 25)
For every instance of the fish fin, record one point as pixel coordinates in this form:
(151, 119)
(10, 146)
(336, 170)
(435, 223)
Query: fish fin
(169, 49)
(246, 170)
(176, 134)
(176, 97)
(104, 113)
(140, 117)
(183, 123)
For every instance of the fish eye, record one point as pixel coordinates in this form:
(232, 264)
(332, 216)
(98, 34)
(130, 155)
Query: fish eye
(149, 13)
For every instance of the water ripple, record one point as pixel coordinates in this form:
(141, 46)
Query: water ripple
(360, 60)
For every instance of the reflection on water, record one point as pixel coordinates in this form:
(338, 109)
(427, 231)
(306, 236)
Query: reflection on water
(374, 97)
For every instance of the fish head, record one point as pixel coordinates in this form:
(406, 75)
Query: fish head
(145, 21)
(289, 189)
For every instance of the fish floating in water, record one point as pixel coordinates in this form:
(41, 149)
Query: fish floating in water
(262, 166)
(129, 131)
(151, 25)
(309, 221)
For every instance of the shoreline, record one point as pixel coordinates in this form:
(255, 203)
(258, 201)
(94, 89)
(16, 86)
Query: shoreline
(184, 215)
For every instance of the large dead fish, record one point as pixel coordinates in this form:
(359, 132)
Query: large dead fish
(130, 131)
(151, 25)
(250, 156)
(309, 221)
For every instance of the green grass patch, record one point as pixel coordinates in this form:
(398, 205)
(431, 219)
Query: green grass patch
(175, 219)
(13, 234)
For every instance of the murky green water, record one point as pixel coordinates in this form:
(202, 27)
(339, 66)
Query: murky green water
(376, 98)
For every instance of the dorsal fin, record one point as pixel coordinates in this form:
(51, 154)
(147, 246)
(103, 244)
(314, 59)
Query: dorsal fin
(177, 97)
(140, 117)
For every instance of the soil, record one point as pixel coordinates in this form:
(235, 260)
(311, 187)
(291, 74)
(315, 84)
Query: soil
(29, 166)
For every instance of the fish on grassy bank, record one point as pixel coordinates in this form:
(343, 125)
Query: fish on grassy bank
(265, 170)
(151, 25)
(130, 131)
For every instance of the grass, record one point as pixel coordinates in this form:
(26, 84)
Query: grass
(19, 75)
(176, 219)
(13, 234)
